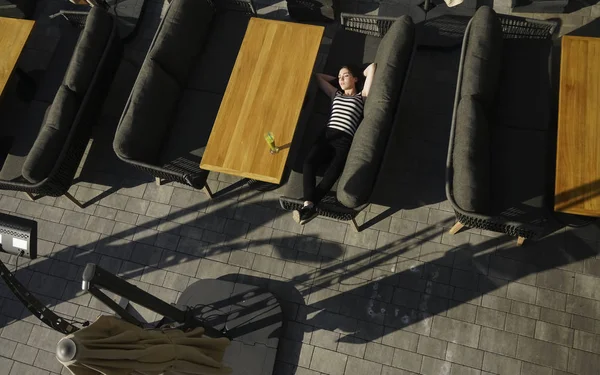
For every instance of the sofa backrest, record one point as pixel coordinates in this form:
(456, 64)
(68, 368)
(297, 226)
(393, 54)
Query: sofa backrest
(471, 159)
(482, 57)
(59, 121)
(368, 147)
(180, 38)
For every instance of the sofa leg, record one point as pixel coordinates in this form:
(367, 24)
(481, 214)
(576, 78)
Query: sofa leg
(158, 181)
(456, 228)
(520, 241)
(355, 225)
(73, 199)
(207, 191)
(30, 196)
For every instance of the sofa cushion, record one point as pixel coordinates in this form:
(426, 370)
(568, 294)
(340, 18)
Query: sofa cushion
(88, 52)
(145, 122)
(181, 36)
(213, 68)
(529, 106)
(520, 184)
(190, 129)
(52, 136)
(54, 74)
(23, 139)
(483, 57)
(369, 144)
(471, 157)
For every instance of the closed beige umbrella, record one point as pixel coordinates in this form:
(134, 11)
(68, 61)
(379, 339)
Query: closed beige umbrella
(111, 346)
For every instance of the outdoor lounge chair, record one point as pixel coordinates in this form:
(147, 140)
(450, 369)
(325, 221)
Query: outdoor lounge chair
(389, 42)
(170, 113)
(499, 156)
(40, 155)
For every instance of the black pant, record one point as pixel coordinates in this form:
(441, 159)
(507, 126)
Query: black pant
(331, 148)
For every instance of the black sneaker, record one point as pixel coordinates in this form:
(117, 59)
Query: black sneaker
(304, 215)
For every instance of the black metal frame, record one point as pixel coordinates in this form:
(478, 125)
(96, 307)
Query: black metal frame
(76, 18)
(25, 229)
(61, 177)
(34, 305)
(512, 28)
(370, 25)
(95, 277)
(330, 206)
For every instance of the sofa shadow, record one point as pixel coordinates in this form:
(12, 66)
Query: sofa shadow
(289, 298)
(408, 300)
(55, 276)
(421, 288)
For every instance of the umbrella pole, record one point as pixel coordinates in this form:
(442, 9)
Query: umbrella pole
(95, 277)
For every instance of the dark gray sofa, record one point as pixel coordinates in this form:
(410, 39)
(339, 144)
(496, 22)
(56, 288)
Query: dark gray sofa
(173, 105)
(499, 158)
(390, 43)
(41, 154)
(312, 10)
(17, 8)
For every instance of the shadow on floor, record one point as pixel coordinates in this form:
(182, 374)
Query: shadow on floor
(410, 290)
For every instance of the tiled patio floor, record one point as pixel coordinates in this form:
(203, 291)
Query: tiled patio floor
(401, 297)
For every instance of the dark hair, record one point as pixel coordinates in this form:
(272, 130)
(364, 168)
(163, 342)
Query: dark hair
(353, 69)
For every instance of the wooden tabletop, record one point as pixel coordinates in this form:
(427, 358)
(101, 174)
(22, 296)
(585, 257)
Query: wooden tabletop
(265, 93)
(13, 35)
(577, 188)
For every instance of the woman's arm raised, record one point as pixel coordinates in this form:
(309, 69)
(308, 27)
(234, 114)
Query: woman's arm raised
(323, 81)
(369, 73)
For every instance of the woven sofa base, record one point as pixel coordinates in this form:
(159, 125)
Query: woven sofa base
(329, 207)
(497, 226)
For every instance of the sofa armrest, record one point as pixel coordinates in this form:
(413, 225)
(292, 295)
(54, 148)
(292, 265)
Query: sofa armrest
(471, 162)
(482, 57)
(78, 99)
(52, 136)
(370, 141)
(181, 36)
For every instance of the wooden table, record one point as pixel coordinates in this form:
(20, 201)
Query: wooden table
(13, 35)
(265, 93)
(577, 189)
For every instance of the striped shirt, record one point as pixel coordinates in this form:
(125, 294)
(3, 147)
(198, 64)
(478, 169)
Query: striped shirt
(346, 112)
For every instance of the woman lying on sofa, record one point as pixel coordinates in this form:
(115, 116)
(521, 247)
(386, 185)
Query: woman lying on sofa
(333, 144)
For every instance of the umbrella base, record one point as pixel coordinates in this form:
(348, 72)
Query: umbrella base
(251, 316)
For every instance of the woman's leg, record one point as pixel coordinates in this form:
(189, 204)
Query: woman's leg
(340, 144)
(316, 157)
